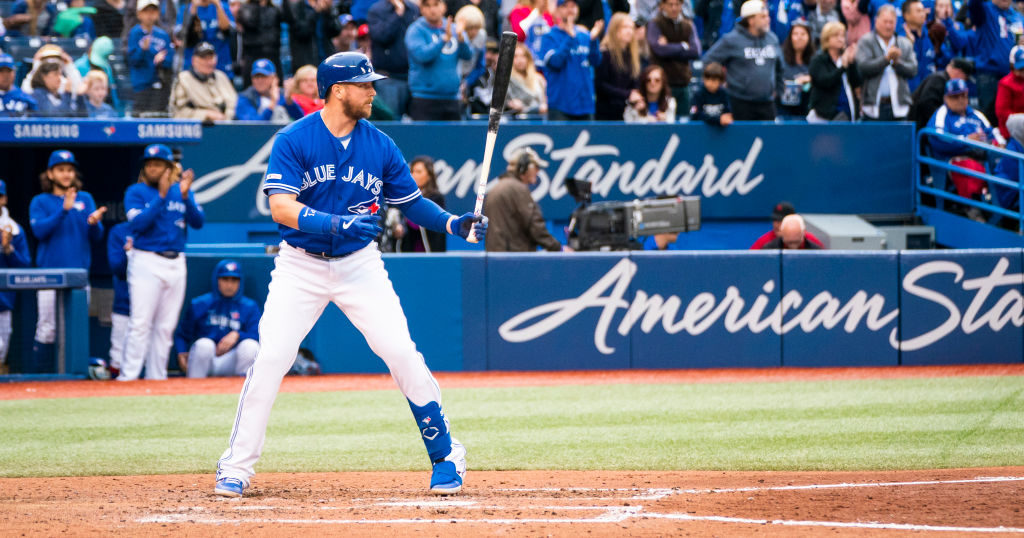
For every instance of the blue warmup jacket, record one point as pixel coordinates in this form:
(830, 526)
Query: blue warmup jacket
(433, 64)
(158, 224)
(140, 60)
(995, 35)
(20, 257)
(64, 236)
(1007, 169)
(569, 67)
(211, 315)
(118, 259)
(15, 103)
(944, 121)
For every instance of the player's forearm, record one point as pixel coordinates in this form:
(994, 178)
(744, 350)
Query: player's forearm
(427, 214)
(284, 209)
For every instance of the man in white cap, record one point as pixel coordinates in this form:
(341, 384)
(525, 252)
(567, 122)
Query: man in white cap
(753, 63)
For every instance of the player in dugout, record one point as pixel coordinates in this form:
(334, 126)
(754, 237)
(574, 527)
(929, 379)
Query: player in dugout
(218, 334)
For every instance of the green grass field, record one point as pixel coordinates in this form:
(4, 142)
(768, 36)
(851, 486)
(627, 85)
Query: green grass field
(838, 425)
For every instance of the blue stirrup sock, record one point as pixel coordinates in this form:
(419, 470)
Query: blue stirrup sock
(433, 426)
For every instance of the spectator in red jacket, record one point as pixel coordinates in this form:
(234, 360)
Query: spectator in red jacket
(1010, 95)
(779, 212)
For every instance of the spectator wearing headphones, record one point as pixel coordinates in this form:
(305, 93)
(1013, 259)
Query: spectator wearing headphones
(516, 221)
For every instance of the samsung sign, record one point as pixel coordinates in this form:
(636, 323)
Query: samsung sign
(740, 171)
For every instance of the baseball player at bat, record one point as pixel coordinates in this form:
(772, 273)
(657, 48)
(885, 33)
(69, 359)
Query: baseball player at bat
(327, 176)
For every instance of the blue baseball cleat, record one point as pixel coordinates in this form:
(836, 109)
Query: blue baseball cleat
(229, 487)
(449, 472)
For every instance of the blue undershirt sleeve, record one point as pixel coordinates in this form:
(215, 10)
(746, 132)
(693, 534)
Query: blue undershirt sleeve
(426, 213)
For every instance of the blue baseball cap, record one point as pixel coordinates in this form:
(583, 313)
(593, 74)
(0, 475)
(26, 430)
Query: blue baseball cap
(956, 86)
(229, 269)
(263, 67)
(1017, 57)
(6, 61)
(3, 188)
(561, 2)
(61, 156)
(346, 18)
(158, 151)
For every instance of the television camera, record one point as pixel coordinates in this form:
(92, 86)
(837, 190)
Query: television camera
(619, 225)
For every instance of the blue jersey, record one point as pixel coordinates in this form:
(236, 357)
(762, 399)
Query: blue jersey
(220, 39)
(213, 316)
(118, 259)
(63, 236)
(16, 103)
(140, 60)
(307, 160)
(997, 32)
(19, 257)
(158, 224)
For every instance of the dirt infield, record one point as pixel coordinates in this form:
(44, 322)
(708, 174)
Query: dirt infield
(535, 503)
(559, 503)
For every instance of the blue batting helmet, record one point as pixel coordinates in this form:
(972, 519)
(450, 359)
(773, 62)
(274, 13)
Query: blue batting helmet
(344, 67)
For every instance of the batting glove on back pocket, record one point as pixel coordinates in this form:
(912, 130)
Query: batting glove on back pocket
(362, 227)
(470, 221)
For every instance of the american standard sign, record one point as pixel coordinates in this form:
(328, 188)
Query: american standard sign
(993, 303)
(739, 172)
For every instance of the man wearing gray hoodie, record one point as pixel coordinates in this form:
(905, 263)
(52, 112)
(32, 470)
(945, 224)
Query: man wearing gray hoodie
(753, 63)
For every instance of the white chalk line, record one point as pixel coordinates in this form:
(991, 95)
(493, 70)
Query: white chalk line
(613, 514)
(664, 492)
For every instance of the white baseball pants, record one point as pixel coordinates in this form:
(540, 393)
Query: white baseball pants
(300, 288)
(46, 310)
(157, 289)
(5, 335)
(203, 360)
(119, 324)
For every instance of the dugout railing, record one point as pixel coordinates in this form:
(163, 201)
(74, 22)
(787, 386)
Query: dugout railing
(935, 182)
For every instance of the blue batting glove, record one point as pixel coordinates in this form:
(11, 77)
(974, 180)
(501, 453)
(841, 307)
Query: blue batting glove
(362, 227)
(471, 221)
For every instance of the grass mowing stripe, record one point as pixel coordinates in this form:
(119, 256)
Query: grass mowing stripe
(834, 425)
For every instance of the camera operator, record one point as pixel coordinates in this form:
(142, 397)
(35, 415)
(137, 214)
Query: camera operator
(516, 222)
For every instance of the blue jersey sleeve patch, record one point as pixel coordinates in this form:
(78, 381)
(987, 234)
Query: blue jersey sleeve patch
(284, 172)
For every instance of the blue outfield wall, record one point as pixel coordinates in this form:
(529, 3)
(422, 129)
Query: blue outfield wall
(685, 309)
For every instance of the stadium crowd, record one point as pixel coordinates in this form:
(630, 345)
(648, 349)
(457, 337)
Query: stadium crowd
(642, 61)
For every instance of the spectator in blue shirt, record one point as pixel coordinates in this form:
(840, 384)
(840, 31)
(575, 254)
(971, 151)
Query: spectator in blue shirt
(65, 220)
(914, 18)
(13, 253)
(150, 59)
(218, 334)
(96, 91)
(570, 54)
(263, 101)
(53, 96)
(956, 118)
(14, 102)
(387, 22)
(210, 21)
(1008, 168)
(998, 28)
(31, 18)
(435, 46)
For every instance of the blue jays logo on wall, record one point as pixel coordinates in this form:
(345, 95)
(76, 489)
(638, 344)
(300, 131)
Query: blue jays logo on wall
(738, 172)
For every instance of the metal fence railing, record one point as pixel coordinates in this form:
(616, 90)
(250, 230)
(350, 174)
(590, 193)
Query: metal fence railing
(935, 185)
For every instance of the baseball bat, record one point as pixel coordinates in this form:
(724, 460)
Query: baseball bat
(502, 74)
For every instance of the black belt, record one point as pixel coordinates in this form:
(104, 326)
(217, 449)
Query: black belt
(885, 100)
(325, 256)
(169, 254)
